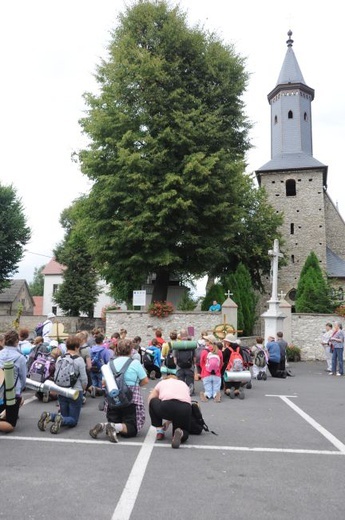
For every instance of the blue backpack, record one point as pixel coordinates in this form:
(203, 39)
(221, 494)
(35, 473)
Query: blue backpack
(97, 361)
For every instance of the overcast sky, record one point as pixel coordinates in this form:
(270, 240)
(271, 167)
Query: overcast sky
(49, 51)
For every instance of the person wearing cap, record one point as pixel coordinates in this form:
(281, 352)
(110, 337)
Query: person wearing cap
(47, 327)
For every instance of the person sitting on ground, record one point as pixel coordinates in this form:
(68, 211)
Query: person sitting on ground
(127, 421)
(185, 364)
(260, 359)
(9, 414)
(151, 357)
(100, 355)
(69, 408)
(215, 307)
(170, 400)
(211, 361)
(273, 364)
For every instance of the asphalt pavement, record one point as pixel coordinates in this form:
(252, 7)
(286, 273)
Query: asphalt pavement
(279, 454)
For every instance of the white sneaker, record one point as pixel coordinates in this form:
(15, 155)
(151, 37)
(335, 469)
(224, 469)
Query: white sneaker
(337, 374)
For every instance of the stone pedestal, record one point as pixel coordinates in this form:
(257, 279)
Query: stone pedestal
(285, 308)
(229, 312)
(273, 318)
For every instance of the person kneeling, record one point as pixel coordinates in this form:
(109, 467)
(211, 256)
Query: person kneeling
(170, 399)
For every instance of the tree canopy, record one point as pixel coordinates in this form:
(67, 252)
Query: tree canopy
(168, 136)
(312, 290)
(14, 233)
(79, 290)
(37, 285)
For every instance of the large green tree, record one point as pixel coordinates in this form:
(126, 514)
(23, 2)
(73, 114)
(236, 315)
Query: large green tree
(312, 289)
(37, 285)
(14, 233)
(79, 290)
(168, 136)
(243, 294)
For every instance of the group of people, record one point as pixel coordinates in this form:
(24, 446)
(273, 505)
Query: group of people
(220, 365)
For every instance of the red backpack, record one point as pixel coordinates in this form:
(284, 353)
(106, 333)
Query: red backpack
(236, 360)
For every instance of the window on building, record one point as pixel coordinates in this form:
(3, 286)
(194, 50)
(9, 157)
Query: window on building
(305, 116)
(55, 288)
(292, 294)
(290, 187)
(54, 310)
(290, 114)
(292, 228)
(275, 120)
(292, 259)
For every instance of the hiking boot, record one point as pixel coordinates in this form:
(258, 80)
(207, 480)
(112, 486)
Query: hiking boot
(217, 397)
(259, 376)
(44, 420)
(232, 393)
(55, 427)
(111, 433)
(160, 436)
(96, 430)
(93, 392)
(45, 398)
(152, 374)
(176, 440)
(249, 385)
(241, 393)
(264, 376)
(227, 391)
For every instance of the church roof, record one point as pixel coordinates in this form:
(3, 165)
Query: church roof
(292, 161)
(53, 267)
(290, 71)
(335, 265)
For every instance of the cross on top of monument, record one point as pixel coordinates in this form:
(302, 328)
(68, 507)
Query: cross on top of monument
(275, 254)
(228, 293)
(282, 295)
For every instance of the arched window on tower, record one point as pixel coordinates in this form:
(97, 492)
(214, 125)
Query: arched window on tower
(275, 120)
(290, 114)
(290, 187)
(305, 116)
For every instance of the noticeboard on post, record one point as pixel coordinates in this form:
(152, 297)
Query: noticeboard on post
(139, 298)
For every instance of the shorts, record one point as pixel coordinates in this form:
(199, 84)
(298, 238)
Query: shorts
(12, 412)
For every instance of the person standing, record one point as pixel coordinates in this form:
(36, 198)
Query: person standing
(337, 347)
(326, 335)
(10, 353)
(215, 307)
(170, 400)
(47, 327)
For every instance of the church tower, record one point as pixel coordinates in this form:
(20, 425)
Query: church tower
(296, 182)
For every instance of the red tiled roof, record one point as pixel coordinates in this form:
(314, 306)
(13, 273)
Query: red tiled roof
(38, 309)
(53, 267)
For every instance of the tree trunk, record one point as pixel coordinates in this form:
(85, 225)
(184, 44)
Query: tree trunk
(160, 288)
(209, 283)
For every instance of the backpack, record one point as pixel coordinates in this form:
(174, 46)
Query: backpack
(125, 395)
(96, 361)
(184, 358)
(212, 363)
(39, 329)
(41, 368)
(260, 358)
(65, 374)
(16, 376)
(197, 423)
(198, 350)
(169, 360)
(148, 357)
(235, 362)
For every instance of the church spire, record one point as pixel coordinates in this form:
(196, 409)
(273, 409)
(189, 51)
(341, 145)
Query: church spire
(290, 71)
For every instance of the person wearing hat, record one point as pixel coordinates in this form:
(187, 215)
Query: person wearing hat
(47, 327)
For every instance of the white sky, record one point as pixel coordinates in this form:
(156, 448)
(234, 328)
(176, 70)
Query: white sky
(49, 51)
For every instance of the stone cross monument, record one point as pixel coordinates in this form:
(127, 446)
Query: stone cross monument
(273, 317)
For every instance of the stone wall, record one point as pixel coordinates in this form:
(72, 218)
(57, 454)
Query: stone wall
(306, 328)
(71, 324)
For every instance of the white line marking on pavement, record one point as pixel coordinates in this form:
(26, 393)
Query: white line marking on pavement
(130, 492)
(137, 444)
(328, 435)
(30, 400)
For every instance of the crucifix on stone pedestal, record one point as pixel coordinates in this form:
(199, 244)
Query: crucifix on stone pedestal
(275, 254)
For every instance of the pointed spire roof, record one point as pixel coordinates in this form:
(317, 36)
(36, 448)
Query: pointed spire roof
(290, 71)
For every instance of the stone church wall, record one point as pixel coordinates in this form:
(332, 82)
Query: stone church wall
(335, 228)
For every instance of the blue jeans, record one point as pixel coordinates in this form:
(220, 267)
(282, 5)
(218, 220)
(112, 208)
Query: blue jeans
(211, 385)
(70, 410)
(96, 378)
(338, 355)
